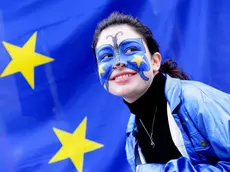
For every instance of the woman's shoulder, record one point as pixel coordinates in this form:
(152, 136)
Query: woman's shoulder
(191, 90)
(198, 90)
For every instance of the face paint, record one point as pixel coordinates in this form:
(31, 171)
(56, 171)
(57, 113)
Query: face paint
(115, 46)
(131, 53)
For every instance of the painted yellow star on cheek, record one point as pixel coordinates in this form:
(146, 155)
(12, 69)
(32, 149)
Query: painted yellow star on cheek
(24, 59)
(100, 69)
(74, 146)
(138, 59)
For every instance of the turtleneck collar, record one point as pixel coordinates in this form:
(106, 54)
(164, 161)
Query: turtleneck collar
(150, 99)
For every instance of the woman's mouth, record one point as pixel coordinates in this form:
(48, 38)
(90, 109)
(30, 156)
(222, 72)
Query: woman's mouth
(122, 78)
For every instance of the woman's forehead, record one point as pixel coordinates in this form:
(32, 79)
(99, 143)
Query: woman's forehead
(118, 32)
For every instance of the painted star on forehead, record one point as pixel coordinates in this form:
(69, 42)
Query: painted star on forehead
(138, 59)
(25, 59)
(74, 146)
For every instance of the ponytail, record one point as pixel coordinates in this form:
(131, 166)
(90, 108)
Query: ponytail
(171, 68)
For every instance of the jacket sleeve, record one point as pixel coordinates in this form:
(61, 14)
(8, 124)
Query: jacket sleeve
(183, 164)
(210, 111)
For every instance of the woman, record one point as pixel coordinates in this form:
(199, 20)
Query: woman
(176, 124)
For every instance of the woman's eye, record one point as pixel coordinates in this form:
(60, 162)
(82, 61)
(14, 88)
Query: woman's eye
(106, 56)
(129, 50)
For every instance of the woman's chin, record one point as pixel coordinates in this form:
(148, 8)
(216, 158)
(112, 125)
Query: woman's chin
(121, 91)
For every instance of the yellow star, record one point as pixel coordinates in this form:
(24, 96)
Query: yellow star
(138, 60)
(24, 59)
(74, 146)
(100, 69)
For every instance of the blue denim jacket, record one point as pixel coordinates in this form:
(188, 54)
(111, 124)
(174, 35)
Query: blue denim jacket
(199, 117)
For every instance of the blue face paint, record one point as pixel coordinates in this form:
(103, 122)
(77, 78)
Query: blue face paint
(116, 47)
(130, 52)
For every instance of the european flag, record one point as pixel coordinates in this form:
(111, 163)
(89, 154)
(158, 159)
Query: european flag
(54, 114)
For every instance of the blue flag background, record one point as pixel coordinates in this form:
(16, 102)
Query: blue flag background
(66, 90)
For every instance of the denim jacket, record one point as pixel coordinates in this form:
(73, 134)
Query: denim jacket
(199, 122)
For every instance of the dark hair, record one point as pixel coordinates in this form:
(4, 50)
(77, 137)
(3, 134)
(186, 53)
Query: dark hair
(169, 66)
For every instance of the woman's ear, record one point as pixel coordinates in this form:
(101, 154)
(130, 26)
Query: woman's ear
(156, 62)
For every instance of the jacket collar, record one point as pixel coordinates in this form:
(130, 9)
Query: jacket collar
(172, 92)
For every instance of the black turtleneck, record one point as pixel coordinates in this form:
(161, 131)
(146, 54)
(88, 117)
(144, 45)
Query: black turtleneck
(144, 109)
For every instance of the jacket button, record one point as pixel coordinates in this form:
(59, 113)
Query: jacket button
(203, 143)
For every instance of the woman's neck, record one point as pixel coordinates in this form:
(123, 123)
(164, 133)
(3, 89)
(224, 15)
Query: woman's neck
(150, 98)
(135, 97)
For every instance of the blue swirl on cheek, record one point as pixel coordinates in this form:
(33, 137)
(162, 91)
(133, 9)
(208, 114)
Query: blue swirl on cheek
(139, 66)
(140, 70)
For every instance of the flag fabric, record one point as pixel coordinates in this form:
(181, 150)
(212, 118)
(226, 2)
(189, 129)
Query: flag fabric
(54, 114)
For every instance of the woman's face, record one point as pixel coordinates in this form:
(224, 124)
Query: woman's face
(125, 65)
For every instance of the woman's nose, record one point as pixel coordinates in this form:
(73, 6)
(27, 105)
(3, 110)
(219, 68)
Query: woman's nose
(118, 65)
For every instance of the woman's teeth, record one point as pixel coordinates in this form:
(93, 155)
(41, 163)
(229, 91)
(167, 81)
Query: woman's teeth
(123, 76)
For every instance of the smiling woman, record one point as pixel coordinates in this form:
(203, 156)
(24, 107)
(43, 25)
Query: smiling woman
(174, 120)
